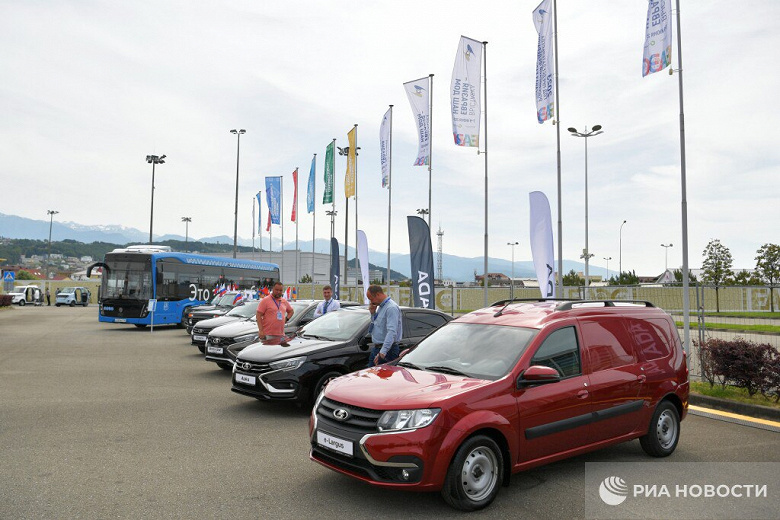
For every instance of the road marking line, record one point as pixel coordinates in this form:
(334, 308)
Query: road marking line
(734, 416)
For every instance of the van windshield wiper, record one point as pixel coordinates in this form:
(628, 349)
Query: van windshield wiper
(447, 370)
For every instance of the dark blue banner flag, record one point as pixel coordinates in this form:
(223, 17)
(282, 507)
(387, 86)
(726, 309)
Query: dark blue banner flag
(421, 254)
(334, 267)
(273, 195)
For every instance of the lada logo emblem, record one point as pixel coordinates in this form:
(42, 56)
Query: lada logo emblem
(246, 366)
(215, 341)
(341, 414)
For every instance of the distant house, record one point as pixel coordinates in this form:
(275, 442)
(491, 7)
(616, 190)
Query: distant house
(493, 279)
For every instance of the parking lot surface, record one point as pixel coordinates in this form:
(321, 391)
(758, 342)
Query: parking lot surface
(100, 421)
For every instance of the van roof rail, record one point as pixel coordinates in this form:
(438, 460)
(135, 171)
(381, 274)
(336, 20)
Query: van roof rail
(513, 300)
(568, 305)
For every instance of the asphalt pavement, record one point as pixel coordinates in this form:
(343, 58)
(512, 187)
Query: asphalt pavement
(110, 421)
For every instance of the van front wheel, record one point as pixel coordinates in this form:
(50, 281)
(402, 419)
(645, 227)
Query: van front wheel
(474, 475)
(664, 431)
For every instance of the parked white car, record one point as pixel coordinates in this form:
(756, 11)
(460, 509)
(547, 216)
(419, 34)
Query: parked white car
(73, 296)
(24, 294)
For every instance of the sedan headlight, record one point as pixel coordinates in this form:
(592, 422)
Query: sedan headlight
(288, 364)
(396, 420)
(246, 337)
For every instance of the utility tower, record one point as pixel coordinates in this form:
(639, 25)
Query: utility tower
(439, 275)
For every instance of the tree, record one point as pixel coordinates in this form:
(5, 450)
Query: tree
(716, 267)
(625, 278)
(573, 279)
(678, 276)
(25, 275)
(744, 278)
(768, 267)
(305, 279)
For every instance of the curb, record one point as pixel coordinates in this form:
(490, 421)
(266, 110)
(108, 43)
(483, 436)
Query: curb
(751, 410)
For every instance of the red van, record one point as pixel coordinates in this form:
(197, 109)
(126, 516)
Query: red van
(505, 389)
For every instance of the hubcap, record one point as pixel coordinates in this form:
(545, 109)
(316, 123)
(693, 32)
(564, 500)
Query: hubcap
(666, 429)
(479, 474)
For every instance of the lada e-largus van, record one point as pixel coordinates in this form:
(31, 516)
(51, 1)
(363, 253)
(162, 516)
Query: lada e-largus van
(505, 389)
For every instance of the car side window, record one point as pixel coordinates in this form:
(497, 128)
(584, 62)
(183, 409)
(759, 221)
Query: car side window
(561, 351)
(421, 323)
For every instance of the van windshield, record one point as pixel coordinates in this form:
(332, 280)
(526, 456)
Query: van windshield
(479, 351)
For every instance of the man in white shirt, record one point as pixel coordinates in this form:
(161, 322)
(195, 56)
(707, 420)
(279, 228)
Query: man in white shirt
(329, 305)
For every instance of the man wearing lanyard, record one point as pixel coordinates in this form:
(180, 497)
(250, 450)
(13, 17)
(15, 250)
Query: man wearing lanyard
(273, 311)
(329, 304)
(386, 327)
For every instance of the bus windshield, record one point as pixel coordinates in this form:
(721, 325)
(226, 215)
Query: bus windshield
(131, 280)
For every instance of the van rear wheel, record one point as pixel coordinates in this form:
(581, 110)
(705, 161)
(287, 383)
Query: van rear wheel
(664, 431)
(474, 475)
(22, 302)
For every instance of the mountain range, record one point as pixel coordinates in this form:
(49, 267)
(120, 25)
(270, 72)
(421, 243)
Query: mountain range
(458, 268)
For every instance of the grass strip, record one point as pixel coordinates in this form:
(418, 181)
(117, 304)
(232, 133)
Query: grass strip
(769, 329)
(731, 393)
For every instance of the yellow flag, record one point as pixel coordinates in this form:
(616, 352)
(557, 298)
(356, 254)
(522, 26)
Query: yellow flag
(349, 179)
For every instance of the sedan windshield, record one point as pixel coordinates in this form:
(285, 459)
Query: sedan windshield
(245, 311)
(339, 326)
(480, 351)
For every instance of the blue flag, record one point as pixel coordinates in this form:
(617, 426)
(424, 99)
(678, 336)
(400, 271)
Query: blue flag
(310, 189)
(273, 195)
(259, 212)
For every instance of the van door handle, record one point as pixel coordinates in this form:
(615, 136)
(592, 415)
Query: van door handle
(641, 378)
(582, 394)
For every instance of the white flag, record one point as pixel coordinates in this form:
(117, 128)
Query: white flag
(362, 253)
(419, 94)
(542, 243)
(465, 89)
(545, 85)
(658, 37)
(384, 146)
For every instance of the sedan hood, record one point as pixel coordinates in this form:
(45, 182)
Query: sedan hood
(212, 323)
(390, 387)
(266, 352)
(233, 329)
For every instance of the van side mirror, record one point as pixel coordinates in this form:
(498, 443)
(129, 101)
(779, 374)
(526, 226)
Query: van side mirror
(536, 375)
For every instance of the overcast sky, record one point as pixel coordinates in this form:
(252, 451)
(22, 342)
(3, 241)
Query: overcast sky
(89, 88)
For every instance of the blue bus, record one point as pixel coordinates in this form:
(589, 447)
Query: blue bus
(140, 279)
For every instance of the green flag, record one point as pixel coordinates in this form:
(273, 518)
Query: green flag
(330, 165)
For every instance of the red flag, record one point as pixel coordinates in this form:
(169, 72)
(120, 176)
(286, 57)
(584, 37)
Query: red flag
(268, 227)
(295, 195)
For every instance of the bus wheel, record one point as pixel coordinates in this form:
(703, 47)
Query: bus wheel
(140, 325)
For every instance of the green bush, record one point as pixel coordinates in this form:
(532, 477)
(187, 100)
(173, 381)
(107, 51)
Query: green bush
(741, 363)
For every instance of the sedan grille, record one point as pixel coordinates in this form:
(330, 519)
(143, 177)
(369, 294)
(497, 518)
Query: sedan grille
(359, 419)
(252, 367)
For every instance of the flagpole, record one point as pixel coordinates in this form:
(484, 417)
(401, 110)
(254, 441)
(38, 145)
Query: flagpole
(484, 64)
(684, 203)
(357, 276)
(297, 218)
(253, 228)
(260, 221)
(557, 118)
(389, 196)
(313, 224)
(345, 276)
(281, 219)
(430, 144)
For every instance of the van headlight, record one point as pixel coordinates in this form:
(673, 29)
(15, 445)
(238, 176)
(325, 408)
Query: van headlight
(288, 364)
(396, 420)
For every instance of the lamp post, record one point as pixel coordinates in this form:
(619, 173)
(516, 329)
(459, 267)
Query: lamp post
(666, 255)
(51, 214)
(620, 256)
(154, 161)
(596, 130)
(422, 212)
(238, 155)
(512, 280)
(186, 221)
(607, 258)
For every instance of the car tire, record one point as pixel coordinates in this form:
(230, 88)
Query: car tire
(56, 304)
(140, 325)
(664, 431)
(475, 474)
(183, 323)
(22, 303)
(202, 349)
(72, 304)
(225, 366)
(323, 382)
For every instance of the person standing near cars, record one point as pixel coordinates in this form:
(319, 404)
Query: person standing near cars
(386, 327)
(329, 304)
(272, 313)
(48, 297)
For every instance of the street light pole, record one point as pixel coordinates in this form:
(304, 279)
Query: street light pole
(620, 256)
(238, 155)
(596, 130)
(51, 214)
(512, 280)
(186, 221)
(607, 258)
(153, 160)
(666, 255)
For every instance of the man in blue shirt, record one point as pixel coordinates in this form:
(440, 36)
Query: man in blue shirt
(327, 305)
(386, 328)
